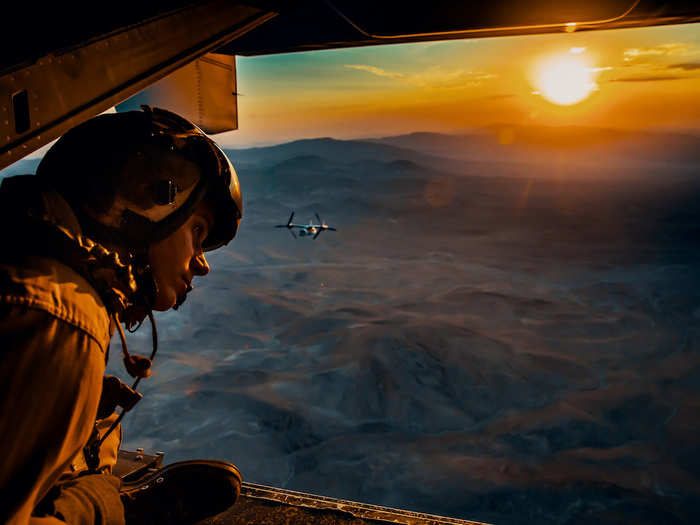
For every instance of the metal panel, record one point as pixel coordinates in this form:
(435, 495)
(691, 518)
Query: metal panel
(328, 24)
(204, 91)
(69, 86)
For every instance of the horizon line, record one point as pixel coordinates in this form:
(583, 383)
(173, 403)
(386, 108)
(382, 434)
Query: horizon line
(693, 132)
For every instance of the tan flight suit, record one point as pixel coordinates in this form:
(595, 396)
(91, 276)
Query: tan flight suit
(54, 335)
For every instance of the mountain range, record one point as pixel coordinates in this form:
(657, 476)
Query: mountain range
(509, 339)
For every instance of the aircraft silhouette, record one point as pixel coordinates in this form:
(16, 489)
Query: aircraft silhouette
(306, 229)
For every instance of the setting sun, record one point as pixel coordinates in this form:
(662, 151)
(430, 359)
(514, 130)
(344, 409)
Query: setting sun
(565, 79)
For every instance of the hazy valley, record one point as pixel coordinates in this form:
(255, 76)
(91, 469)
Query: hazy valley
(504, 328)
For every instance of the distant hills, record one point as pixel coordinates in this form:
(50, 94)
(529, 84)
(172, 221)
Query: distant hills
(501, 139)
(510, 151)
(503, 143)
(331, 150)
(498, 150)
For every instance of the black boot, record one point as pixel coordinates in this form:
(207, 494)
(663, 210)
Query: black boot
(181, 493)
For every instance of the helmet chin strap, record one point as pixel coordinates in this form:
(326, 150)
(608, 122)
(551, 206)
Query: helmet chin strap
(146, 289)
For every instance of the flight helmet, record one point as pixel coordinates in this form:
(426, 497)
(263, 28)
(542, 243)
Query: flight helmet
(134, 178)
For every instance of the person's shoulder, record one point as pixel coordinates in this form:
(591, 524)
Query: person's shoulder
(47, 284)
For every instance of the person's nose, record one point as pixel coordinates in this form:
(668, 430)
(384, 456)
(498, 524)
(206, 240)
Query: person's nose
(200, 266)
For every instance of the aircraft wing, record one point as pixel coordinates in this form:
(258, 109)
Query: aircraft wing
(326, 24)
(63, 64)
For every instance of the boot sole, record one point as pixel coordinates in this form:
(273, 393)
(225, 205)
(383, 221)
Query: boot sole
(196, 489)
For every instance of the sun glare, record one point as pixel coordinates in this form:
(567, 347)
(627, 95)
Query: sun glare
(565, 79)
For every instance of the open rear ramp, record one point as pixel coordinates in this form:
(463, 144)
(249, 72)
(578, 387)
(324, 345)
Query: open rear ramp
(264, 505)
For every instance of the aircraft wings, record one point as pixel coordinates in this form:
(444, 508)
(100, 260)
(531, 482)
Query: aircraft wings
(325, 24)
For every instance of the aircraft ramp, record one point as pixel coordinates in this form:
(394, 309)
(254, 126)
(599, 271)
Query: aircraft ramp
(263, 505)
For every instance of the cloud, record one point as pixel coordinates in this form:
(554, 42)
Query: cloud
(647, 79)
(660, 62)
(375, 71)
(673, 49)
(687, 66)
(438, 77)
(434, 77)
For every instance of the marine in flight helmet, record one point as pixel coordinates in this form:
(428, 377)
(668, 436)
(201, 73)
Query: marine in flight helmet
(134, 178)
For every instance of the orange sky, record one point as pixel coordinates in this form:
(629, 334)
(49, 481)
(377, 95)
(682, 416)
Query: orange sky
(644, 79)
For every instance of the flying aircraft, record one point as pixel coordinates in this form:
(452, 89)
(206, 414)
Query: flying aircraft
(306, 229)
(62, 65)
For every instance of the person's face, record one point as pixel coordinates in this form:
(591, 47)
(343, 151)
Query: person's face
(178, 258)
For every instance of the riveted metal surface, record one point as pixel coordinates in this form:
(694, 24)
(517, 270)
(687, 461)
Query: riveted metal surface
(71, 85)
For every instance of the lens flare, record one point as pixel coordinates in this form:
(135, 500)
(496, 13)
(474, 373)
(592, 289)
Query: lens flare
(565, 79)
